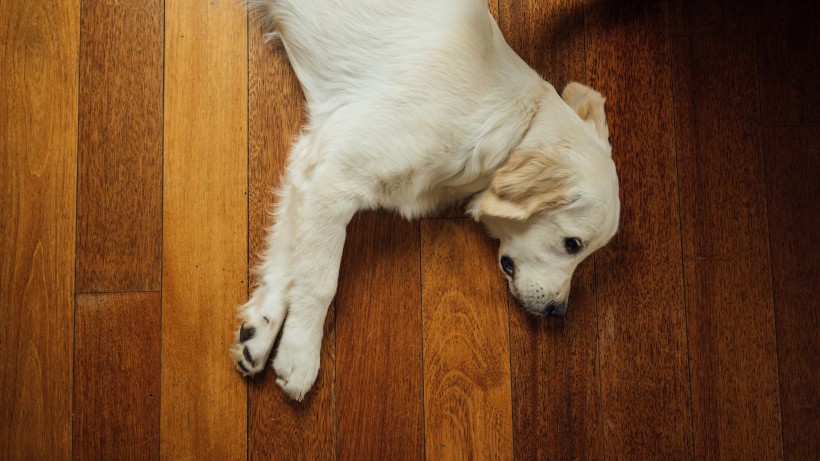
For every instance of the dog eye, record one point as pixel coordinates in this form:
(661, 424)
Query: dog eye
(572, 245)
(507, 265)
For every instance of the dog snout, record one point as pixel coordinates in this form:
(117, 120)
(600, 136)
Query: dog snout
(556, 309)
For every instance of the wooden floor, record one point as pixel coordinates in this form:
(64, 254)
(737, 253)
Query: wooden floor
(140, 142)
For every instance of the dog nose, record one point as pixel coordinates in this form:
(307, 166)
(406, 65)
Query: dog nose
(556, 309)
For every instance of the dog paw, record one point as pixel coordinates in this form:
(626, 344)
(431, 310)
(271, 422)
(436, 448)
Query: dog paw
(252, 346)
(261, 319)
(297, 366)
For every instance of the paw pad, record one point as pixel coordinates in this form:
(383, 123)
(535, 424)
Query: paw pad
(246, 333)
(247, 354)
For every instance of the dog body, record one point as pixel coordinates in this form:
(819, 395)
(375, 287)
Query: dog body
(406, 118)
(414, 105)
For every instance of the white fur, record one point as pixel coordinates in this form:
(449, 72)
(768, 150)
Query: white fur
(413, 104)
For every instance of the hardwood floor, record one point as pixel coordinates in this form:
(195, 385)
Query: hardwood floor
(140, 144)
(38, 206)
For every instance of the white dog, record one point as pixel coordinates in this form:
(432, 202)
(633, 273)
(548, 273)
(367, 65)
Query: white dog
(416, 104)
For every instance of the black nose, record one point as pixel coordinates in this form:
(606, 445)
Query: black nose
(556, 309)
(507, 265)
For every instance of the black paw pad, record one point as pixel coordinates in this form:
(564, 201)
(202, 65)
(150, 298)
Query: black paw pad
(248, 357)
(246, 333)
(242, 366)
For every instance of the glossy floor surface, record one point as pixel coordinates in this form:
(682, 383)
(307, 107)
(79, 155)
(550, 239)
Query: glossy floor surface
(140, 141)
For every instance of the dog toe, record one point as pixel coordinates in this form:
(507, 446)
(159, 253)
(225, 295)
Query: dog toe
(251, 348)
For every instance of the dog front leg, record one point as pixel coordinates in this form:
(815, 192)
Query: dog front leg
(317, 252)
(262, 316)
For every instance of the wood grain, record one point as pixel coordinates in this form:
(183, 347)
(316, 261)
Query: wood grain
(549, 36)
(116, 376)
(644, 385)
(555, 385)
(204, 399)
(733, 374)
(641, 323)
(466, 344)
(378, 335)
(119, 203)
(792, 164)
(723, 222)
(787, 39)
(278, 427)
(38, 161)
(681, 81)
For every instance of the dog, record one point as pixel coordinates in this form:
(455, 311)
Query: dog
(414, 105)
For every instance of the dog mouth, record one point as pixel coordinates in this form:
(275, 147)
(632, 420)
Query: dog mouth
(551, 309)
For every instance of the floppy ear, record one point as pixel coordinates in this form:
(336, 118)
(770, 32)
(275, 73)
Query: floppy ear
(529, 181)
(589, 105)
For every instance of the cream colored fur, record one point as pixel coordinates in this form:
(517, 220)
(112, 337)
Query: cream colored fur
(415, 104)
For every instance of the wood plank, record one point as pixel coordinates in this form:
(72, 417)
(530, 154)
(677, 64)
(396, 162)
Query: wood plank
(555, 385)
(641, 323)
(467, 401)
(38, 141)
(792, 164)
(723, 221)
(787, 39)
(119, 203)
(116, 376)
(733, 374)
(278, 427)
(549, 36)
(378, 336)
(644, 385)
(204, 399)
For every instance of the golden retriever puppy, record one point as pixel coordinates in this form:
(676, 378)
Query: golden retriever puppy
(413, 105)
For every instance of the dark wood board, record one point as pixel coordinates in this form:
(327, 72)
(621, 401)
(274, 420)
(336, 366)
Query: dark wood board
(119, 202)
(378, 339)
(116, 376)
(641, 319)
(731, 329)
(792, 165)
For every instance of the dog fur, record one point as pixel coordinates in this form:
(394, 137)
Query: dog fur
(413, 105)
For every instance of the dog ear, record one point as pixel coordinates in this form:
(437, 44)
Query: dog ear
(528, 182)
(589, 105)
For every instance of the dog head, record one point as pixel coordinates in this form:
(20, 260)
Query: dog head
(555, 199)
